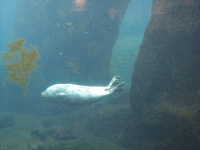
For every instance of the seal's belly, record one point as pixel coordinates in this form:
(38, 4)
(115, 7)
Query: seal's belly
(85, 92)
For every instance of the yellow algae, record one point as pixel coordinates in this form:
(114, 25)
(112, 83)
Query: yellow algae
(6, 55)
(20, 62)
(15, 46)
(9, 57)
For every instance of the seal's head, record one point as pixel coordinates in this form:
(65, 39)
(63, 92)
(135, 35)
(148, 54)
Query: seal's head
(44, 94)
(51, 92)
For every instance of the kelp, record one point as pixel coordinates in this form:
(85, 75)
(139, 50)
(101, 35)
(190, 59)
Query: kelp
(20, 62)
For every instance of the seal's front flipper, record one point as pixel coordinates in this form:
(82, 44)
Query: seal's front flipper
(61, 95)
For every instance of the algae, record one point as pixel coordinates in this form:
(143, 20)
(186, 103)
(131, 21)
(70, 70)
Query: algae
(20, 62)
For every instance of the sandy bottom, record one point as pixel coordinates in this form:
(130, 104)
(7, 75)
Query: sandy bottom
(18, 136)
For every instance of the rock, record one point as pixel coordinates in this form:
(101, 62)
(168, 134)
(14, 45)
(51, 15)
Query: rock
(168, 59)
(42, 134)
(7, 121)
(39, 134)
(64, 134)
(36, 145)
(110, 124)
(164, 131)
(60, 134)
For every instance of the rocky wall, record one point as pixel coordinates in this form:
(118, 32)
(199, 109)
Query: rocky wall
(164, 95)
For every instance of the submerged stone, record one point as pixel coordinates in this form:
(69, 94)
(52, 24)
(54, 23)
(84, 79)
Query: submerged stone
(36, 145)
(7, 121)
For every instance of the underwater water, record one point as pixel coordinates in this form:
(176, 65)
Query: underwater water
(86, 42)
(91, 74)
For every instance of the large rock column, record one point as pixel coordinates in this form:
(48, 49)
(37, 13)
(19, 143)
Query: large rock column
(165, 90)
(168, 64)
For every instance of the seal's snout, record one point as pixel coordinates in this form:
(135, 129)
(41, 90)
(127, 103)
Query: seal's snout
(44, 94)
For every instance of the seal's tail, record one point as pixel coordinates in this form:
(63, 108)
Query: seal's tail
(115, 85)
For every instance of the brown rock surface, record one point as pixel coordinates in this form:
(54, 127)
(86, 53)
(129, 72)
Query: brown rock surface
(168, 63)
(165, 83)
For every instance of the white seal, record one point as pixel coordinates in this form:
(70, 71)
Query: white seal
(77, 95)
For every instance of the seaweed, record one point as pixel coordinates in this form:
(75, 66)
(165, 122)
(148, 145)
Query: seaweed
(20, 62)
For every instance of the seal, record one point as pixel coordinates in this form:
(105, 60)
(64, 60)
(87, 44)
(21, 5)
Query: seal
(78, 95)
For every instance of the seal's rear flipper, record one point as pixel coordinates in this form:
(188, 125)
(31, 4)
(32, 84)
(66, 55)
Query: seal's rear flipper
(114, 81)
(115, 85)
